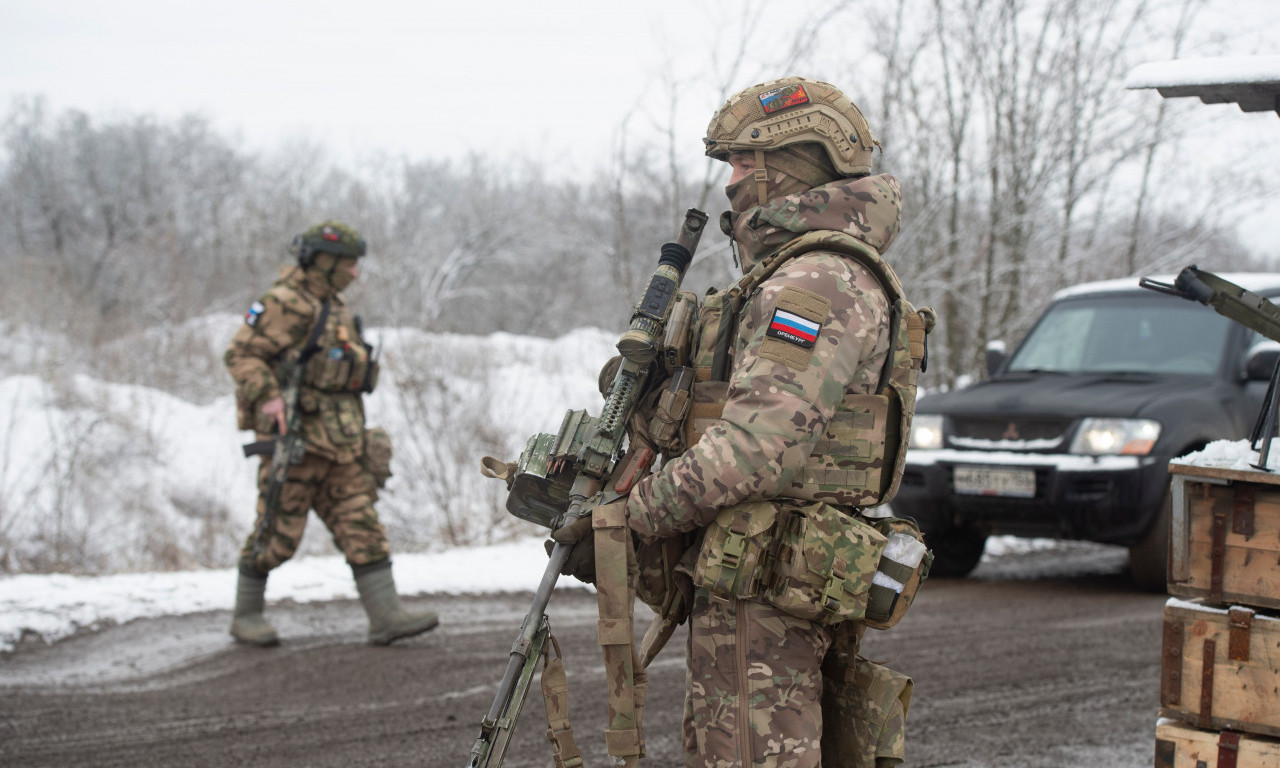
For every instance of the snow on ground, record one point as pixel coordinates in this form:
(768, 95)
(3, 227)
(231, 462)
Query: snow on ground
(56, 606)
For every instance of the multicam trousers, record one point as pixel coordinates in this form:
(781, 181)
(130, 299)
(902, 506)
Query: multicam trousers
(754, 695)
(342, 496)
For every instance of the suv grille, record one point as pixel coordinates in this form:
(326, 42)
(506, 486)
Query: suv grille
(1005, 433)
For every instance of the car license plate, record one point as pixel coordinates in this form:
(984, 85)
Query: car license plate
(995, 481)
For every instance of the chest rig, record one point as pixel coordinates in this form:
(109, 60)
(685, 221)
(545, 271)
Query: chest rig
(858, 460)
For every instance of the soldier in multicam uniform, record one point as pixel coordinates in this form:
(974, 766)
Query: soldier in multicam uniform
(345, 463)
(803, 429)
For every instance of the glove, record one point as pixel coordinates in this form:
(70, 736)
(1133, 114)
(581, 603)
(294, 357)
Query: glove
(581, 564)
(573, 532)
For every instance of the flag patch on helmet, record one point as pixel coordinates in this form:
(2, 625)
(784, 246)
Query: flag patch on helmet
(791, 327)
(780, 98)
(255, 309)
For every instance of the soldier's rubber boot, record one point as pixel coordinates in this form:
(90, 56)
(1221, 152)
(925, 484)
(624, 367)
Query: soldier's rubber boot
(388, 621)
(247, 624)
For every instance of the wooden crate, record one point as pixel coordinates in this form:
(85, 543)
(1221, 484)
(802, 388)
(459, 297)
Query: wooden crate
(1224, 543)
(1218, 668)
(1181, 746)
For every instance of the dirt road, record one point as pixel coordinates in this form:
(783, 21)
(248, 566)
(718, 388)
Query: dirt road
(1039, 660)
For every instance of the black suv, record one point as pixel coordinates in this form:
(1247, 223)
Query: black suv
(1071, 436)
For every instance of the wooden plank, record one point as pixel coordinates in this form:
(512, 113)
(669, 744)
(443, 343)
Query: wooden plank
(1215, 691)
(1223, 473)
(1182, 746)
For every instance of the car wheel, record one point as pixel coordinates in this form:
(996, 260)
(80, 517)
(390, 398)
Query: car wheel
(1149, 558)
(956, 552)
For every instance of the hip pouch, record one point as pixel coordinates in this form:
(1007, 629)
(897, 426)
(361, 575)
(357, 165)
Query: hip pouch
(824, 565)
(808, 559)
(864, 713)
(376, 458)
(736, 551)
(903, 567)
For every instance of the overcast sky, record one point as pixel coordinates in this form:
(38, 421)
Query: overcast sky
(553, 80)
(421, 78)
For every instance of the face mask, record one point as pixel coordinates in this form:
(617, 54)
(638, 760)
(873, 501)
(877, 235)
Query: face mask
(742, 194)
(340, 277)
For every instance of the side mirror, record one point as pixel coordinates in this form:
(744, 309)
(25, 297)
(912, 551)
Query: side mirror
(1260, 361)
(996, 355)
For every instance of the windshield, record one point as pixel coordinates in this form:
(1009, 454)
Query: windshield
(1142, 334)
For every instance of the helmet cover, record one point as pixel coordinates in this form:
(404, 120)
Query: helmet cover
(327, 237)
(793, 110)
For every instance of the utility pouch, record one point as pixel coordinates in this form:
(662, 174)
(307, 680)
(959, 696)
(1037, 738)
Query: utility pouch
(864, 713)
(825, 563)
(667, 422)
(656, 562)
(904, 565)
(705, 409)
(735, 553)
(376, 458)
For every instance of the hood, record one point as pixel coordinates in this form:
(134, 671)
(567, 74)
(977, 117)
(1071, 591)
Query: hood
(867, 208)
(1060, 395)
(312, 281)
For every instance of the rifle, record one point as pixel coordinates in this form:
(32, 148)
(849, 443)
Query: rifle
(1250, 310)
(560, 478)
(289, 448)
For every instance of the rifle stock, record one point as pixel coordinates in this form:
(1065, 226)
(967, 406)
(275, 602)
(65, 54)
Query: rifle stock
(559, 478)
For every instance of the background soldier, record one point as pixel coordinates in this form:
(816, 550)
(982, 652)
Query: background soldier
(808, 347)
(344, 464)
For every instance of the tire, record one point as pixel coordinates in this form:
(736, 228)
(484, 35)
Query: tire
(956, 552)
(1149, 558)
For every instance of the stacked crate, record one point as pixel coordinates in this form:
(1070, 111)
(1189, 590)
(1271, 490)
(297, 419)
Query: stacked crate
(1220, 661)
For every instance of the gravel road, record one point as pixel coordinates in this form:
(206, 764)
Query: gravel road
(1042, 659)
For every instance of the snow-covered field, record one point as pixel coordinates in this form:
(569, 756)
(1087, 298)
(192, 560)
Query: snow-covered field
(99, 477)
(52, 607)
(148, 494)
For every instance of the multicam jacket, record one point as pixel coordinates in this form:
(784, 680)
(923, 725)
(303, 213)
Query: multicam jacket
(813, 333)
(276, 328)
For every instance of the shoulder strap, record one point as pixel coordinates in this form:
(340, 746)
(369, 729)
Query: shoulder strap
(615, 593)
(312, 346)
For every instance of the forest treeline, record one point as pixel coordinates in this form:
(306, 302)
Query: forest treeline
(1025, 167)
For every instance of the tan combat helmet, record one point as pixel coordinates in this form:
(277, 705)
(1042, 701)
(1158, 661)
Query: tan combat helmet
(792, 110)
(327, 237)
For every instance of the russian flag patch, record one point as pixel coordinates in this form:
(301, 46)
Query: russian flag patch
(791, 327)
(255, 309)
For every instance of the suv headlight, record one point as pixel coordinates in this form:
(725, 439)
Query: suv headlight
(1116, 437)
(926, 432)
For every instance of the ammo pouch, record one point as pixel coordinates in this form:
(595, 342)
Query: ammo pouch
(808, 559)
(825, 563)
(904, 565)
(864, 713)
(336, 369)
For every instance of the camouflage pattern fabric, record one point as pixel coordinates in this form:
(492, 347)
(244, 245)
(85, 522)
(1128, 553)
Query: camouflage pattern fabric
(755, 683)
(342, 496)
(755, 689)
(333, 478)
(782, 395)
(275, 329)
